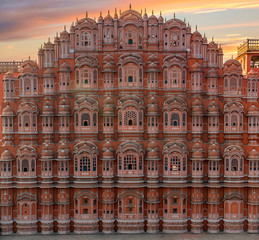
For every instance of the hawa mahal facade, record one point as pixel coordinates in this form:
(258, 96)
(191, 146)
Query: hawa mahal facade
(129, 124)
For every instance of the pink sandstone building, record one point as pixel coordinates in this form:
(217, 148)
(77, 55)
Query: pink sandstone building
(130, 123)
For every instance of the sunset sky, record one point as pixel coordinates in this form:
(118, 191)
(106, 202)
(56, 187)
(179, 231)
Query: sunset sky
(26, 24)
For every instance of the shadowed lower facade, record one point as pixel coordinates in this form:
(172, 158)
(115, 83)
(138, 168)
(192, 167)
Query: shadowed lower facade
(129, 124)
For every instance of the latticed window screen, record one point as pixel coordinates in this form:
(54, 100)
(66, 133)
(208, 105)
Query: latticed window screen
(26, 121)
(130, 118)
(85, 76)
(234, 120)
(233, 84)
(86, 39)
(130, 162)
(175, 164)
(85, 119)
(85, 164)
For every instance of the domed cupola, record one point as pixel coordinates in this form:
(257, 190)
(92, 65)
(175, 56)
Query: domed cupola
(108, 151)
(64, 35)
(8, 111)
(213, 152)
(152, 107)
(65, 67)
(160, 19)
(9, 75)
(152, 151)
(47, 109)
(63, 107)
(29, 66)
(108, 107)
(197, 152)
(213, 108)
(253, 155)
(252, 111)
(63, 151)
(212, 73)
(6, 156)
(48, 73)
(197, 108)
(196, 67)
(47, 152)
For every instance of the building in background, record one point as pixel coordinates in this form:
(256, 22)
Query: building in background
(13, 66)
(129, 124)
(248, 56)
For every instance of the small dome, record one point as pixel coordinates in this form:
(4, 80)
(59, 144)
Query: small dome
(108, 58)
(65, 67)
(29, 66)
(64, 35)
(253, 155)
(196, 36)
(8, 111)
(197, 151)
(152, 67)
(152, 145)
(108, 106)
(108, 145)
(152, 18)
(64, 106)
(6, 156)
(63, 151)
(253, 111)
(213, 107)
(108, 154)
(108, 67)
(213, 152)
(47, 108)
(152, 58)
(108, 18)
(47, 152)
(213, 73)
(48, 73)
(197, 106)
(9, 75)
(196, 67)
(160, 19)
(152, 155)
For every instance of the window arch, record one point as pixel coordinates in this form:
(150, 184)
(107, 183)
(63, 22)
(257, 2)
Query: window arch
(175, 159)
(86, 39)
(234, 161)
(175, 119)
(85, 120)
(233, 117)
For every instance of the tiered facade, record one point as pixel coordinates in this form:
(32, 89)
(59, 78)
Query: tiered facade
(129, 124)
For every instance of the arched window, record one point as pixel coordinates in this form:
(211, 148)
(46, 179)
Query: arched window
(130, 118)
(130, 79)
(234, 165)
(85, 164)
(233, 84)
(86, 39)
(175, 119)
(25, 165)
(85, 120)
(26, 120)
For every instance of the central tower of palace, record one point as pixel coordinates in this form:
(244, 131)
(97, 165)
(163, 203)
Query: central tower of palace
(130, 123)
